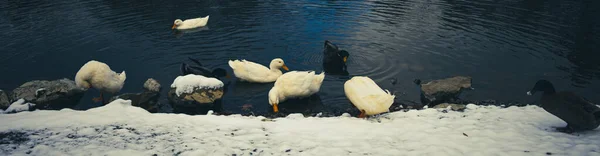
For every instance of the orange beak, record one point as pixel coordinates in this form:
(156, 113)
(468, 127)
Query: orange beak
(275, 109)
(345, 59)
(285, 68)
(174, 26)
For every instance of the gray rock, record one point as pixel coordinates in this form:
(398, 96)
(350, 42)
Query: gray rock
(444, 90)
(199, 98)
(49, 95)
(147, 99)
(454, 107)
(4, 100)
(152, 85)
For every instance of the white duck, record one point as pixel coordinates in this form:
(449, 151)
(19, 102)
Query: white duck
(98, 75)
(294, 84)
(366, 95)
(190, 23)
(254, 72)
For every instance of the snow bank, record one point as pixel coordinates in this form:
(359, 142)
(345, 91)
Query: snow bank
(19, 106)
(187, 84)
(120, 129)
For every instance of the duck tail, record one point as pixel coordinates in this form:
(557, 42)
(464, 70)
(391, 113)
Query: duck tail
(122, 76)
(329, 44)
(231, 64)
(195, 61)
(320, 78)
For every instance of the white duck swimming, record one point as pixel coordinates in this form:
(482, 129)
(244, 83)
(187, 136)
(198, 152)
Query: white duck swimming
(294, 84)
(366, 95)
(254, 72)
(190, 23)
(98, 75)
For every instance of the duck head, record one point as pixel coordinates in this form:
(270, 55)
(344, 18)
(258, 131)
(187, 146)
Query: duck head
(344, 55)
(274, 98)
(278, 63)
(177, 23)
(220, 72)
(543, 86)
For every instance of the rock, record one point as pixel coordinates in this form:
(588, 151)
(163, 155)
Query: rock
(454, 107)
(4, 100)
(200, 97)
(346, 115)
(49, 95)
(445, 90)
(147, 99)
(152, 85)
(195, 94)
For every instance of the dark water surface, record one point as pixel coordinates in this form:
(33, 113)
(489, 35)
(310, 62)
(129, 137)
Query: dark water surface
(504, 45)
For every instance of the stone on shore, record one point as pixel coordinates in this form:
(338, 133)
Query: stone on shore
(49, 95)
(444, 90)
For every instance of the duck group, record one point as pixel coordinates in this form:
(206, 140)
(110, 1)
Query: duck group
(362, 91)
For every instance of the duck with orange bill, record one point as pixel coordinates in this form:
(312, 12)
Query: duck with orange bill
(294, 84)
(190, 23)
(367, 96)
(257, 73)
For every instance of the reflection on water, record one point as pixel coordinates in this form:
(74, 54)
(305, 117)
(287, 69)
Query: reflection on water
(179, 33)
(504, 45)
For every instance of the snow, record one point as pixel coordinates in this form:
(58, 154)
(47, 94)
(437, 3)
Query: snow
(18, 106)
(187, 83)
(121, 129)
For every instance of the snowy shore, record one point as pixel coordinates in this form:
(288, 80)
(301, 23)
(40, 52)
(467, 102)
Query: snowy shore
(120, 129)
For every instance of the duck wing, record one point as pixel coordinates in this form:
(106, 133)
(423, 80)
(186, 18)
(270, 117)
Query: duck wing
(249, 70)
(197, 21)
(200, 71)
(575, 101)
(365, 94)
(296, 83)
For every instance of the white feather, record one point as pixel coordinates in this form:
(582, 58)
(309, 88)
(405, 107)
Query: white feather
(295, 84)
(366, 95)
(254, 72)
(192, 23)
(98, 75)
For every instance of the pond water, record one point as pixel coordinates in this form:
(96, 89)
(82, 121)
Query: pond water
(504, 45)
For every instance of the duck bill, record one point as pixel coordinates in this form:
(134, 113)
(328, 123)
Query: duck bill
(173, 27)
(345, 59)
(275, 108)
(285, 68)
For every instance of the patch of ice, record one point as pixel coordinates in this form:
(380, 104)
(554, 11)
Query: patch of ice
(295, 116)
(19, 106)
(346, 115)
(187, 83)
(37, 92)
(472, 106)
(121, 129)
